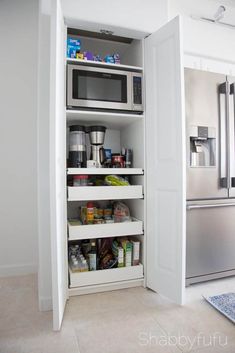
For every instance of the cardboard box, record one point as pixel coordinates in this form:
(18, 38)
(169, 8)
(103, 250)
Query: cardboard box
(73, 46)
(127, 247)
(135, 252)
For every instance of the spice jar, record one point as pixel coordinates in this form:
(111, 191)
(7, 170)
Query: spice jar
(80, 180)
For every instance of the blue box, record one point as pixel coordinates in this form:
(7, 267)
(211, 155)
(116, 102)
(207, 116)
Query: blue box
(73, 46)
(108, 154)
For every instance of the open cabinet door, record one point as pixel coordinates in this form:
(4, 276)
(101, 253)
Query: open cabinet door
(165, 140)
(58, 166)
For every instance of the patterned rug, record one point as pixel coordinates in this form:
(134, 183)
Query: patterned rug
(225, 303)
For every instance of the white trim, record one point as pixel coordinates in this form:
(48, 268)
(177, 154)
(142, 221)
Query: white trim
(105, 230)
(211, 64)
(101, 277)
(106, 287)
(18, 270)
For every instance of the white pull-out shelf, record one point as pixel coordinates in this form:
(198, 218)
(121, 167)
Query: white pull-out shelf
(89, 193)
(90, 278)
(105, 171)
(78, 232)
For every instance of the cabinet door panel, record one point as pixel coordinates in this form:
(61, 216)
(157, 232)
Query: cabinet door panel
(58, 166)
(165, 136)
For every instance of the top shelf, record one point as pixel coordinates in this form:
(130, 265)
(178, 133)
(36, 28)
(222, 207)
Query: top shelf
(103, 64)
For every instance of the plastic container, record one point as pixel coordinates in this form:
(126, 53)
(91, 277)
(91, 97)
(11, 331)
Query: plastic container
(80, 180)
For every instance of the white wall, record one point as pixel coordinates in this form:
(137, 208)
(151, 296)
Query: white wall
(18, 97)
(205, 39)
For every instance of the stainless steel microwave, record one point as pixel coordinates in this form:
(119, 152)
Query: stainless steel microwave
(104, 88)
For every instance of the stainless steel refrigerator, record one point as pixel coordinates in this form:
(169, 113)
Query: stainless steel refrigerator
(210, 131)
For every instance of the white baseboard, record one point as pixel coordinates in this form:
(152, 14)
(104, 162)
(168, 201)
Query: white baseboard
(45, 304)
(18, 270)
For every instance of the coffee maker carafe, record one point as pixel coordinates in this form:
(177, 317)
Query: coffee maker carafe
(77, 146)
(97, 135)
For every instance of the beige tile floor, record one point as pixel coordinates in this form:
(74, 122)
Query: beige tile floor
(127, 321)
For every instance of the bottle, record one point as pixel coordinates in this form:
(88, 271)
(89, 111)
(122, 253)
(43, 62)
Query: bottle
(93, 257)
(90, 213)
(129, 158)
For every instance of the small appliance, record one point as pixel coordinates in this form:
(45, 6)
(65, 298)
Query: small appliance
(93, 87)
(77, 146)
(97, 135)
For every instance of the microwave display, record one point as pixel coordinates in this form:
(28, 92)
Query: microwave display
(99, 86)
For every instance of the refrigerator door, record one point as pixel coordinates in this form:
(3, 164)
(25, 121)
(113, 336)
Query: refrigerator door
(231, 81)
(206, 147)
(210, 241)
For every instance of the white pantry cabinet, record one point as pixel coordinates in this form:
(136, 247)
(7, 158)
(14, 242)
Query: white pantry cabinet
(157, 195)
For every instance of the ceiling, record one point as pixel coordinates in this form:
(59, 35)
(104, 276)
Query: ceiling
(204, 8)
(230, 3)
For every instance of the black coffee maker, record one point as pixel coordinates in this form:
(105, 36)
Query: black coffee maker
(77, 146)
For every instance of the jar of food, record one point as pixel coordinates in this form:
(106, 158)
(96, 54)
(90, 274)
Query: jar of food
(108, 211)
(100, 212)
(90, 213)
(80, 180)
(117, 161)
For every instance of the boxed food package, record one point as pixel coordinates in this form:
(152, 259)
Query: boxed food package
(127, 247)
(120, 257)
(118, 252)
(83, 215)
(135, 251)
(73, 46)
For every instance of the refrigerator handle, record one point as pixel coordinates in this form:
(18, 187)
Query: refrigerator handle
(232, 134)
(224, 102)
(215, 205)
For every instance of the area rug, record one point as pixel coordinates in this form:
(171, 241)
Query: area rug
(224, 303)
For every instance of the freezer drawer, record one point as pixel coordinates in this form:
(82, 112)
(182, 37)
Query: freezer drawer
(210, 242)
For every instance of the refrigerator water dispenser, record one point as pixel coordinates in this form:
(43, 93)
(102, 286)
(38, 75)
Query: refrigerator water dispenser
(202, 146)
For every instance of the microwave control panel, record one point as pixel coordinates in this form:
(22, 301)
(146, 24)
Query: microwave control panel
(137, 90)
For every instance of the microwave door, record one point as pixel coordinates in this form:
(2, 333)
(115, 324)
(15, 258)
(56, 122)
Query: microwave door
(92, 87)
